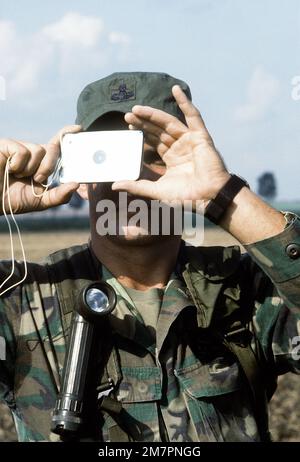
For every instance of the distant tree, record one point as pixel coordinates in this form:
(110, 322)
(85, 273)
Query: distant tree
(267, 186)
(76, 201)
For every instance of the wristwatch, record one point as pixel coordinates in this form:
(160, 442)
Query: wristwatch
(218, 206)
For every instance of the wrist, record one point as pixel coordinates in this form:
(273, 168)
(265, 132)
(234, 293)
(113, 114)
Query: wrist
(249, 219)
(218, 184)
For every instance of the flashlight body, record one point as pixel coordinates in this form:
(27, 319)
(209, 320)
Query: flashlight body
(68, 411)
(77, 386)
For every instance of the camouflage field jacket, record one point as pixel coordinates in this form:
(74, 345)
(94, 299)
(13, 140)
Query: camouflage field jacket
(175, 389)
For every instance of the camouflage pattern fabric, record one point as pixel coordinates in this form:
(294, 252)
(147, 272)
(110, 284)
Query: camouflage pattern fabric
(183, 387)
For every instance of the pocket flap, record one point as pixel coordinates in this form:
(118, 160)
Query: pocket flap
(139, 384)
(213, 379)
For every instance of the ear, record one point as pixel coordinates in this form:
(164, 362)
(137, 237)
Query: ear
(83, 191)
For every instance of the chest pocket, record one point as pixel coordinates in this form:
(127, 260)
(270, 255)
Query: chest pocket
(218, 401)
(139, 391)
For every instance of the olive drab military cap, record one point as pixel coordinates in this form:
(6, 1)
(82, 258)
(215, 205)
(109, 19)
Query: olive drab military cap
(121, 91)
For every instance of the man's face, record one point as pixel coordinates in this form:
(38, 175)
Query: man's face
(153, 167)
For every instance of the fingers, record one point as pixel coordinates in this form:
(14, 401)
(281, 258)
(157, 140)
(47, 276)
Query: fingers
(27, 165)
(192, 115)
(158, 119)
(28, 159)
(160, 147)
(18, 154)
(67, 129)
(48, 163)
(156, 136)
(47, 166)
(143, 188)
(165, 126)
(149, 128)
(24, 157)
(57, 196)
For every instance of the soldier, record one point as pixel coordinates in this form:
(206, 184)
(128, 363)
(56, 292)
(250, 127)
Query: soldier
(199, 335)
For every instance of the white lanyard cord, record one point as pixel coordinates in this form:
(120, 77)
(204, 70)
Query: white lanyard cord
(47, 186)
(4, 193)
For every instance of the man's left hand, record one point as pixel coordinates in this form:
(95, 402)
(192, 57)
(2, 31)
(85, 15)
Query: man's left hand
(194, 168)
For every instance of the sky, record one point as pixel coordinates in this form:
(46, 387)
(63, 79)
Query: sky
(240, 57)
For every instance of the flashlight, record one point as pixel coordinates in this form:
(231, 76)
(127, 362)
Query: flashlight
(95, 302)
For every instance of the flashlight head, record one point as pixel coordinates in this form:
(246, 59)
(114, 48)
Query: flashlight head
(96, 300)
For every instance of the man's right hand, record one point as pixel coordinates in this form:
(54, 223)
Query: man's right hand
(35, 161)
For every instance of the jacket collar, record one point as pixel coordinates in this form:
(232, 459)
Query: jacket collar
(213, 263)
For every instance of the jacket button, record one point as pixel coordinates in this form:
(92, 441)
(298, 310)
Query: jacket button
(293, 251)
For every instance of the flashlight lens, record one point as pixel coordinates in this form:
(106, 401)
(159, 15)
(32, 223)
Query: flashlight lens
(97, 300)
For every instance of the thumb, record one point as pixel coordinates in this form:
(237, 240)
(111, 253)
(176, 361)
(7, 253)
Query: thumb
(58, 196)
(143, 188)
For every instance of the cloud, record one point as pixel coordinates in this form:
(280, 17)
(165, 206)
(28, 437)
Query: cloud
(262, 92)
(8, 36)
(22, 59)
(75, 29)
(69, 48)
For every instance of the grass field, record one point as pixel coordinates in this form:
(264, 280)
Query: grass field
(285, 405)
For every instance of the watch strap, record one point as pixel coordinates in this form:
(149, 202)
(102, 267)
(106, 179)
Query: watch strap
(217, 206)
